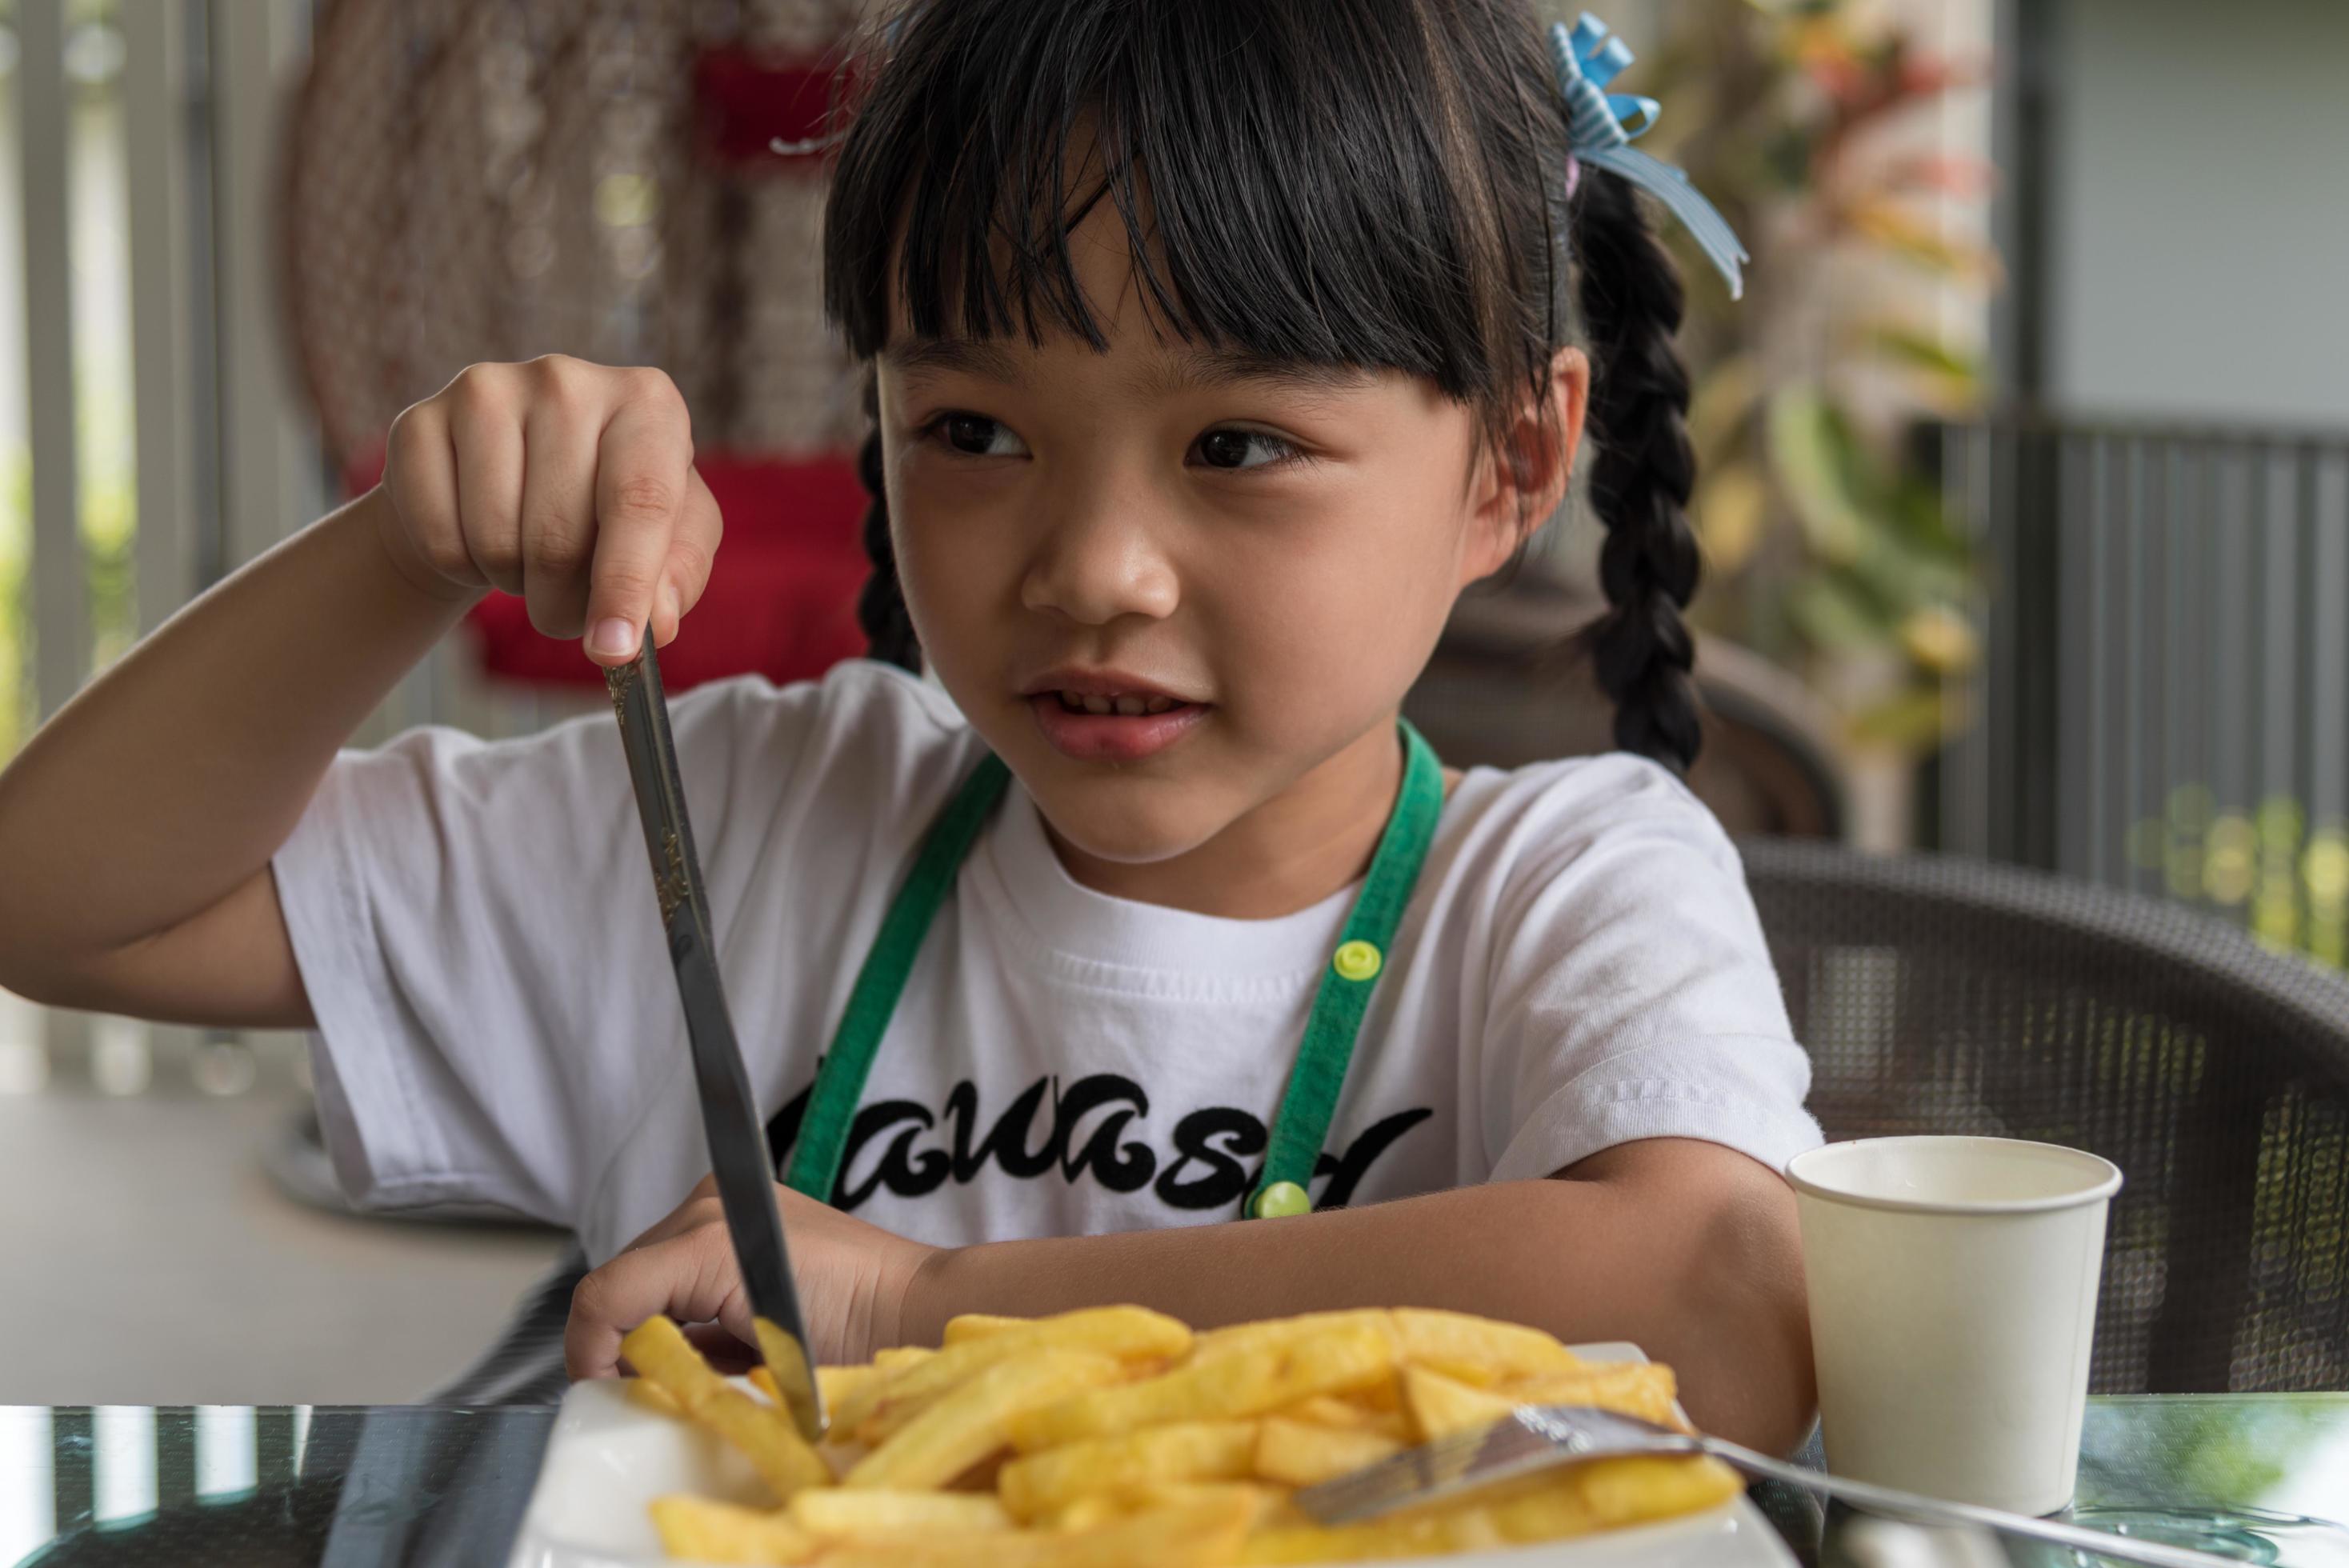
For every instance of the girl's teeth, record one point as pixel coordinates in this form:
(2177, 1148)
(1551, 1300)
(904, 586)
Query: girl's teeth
(1127, 706)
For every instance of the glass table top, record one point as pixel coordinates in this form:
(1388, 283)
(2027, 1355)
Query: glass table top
(2262, 1478)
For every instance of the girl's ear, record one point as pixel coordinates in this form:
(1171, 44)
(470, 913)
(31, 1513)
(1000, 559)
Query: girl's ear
(1516, 496)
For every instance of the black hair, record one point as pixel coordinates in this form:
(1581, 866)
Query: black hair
(1380, 184)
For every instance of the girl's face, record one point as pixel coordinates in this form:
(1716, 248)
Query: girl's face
(1172, 587)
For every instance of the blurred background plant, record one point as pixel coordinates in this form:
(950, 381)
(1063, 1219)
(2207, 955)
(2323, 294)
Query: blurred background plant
(1829, 548)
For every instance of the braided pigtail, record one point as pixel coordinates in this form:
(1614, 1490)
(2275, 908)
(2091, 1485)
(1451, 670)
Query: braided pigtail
(1642, 475)
(880, 608)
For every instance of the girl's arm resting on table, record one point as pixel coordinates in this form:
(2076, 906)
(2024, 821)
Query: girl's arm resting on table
(1688, 1249)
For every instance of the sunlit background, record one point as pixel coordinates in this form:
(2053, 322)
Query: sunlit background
(2025, 495)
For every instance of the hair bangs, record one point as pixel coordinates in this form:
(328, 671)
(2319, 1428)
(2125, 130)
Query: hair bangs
(1276, 201)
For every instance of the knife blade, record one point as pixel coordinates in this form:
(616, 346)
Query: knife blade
(729, 1114)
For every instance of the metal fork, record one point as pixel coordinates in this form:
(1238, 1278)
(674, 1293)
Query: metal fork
(1537, 1437)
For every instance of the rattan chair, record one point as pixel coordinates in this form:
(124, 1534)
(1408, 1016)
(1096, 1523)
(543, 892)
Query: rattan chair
(1945, 996)
(1938, 995)
(1502, 690)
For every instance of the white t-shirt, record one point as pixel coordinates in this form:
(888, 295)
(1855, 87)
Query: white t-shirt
(1579, 966)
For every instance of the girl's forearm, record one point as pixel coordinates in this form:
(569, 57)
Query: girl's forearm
(1700, 1274)
(160, 793)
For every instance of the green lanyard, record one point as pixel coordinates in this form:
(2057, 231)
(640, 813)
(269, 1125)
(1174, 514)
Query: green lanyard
(1339, 1005)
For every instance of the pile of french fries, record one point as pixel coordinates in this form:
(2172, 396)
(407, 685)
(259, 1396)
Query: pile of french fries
(1116, 1436)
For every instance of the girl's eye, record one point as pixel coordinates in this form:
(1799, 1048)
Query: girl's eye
(978, 436)
(1230, 449)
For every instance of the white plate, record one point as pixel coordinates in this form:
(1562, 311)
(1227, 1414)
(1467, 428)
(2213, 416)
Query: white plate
(609, 1458)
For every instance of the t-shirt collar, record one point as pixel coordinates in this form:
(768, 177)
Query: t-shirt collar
(1072, 919)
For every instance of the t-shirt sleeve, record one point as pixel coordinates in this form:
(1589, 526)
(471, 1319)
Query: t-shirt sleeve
(1632, 994)
(477, 930)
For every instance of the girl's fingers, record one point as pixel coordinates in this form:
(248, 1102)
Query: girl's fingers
(485, 429)
(691, 553)
(691, 1277)
(642, 469)
(419, 473)
(558, 512)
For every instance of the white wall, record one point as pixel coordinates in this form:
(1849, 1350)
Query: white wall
(2199, 204)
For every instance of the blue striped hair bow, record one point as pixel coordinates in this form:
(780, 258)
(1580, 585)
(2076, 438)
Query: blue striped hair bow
(1588, 58)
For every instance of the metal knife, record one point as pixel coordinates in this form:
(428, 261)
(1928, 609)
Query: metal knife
(729, 1115)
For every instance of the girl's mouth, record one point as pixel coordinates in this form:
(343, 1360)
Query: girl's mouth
(1125, 705)
(1125, 726)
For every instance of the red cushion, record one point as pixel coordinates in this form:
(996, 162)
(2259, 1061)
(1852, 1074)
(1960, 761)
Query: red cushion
(745, 101)
(781, 601)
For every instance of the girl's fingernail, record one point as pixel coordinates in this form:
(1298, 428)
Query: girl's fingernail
(613, 638)
(672, 603)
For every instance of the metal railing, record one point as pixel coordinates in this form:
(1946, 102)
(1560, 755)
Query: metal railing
(2164, 702)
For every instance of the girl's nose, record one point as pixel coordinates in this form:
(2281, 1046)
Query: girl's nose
(1100, 562)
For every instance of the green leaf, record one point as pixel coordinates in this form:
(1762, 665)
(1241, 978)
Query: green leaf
(1916, 511)
(1912, 720)
(1816, 459)
(1787, 155)
(1902, 578)
(1801, 454)
(1921, 350)
(1833, 616)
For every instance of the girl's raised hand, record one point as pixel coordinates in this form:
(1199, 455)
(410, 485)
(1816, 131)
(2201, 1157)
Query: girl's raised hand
(568, 483)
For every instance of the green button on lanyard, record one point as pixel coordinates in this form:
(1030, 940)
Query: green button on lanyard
(1279, 1200)
(1302, 1122)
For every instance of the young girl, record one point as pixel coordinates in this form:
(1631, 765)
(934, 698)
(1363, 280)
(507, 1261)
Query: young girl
(1216, 347)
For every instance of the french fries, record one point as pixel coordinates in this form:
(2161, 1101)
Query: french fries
(1477, 1349)
(1646, 1390)
(1357, 1414)
(836, 1511)
(1128, 1333)
(1245, 1381)
(965, 1426)
(659, 1350)
(1199, 1532)
(1439, 1404)
(834, 1383)
(1299, 1453)
(979, 1326)
(1113, 1466)
(1247, 1335)
(1085, 1512)
(1114, 1435)
(701, 1530)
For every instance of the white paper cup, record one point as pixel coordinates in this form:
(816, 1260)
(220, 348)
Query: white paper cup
(1953, 1297)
